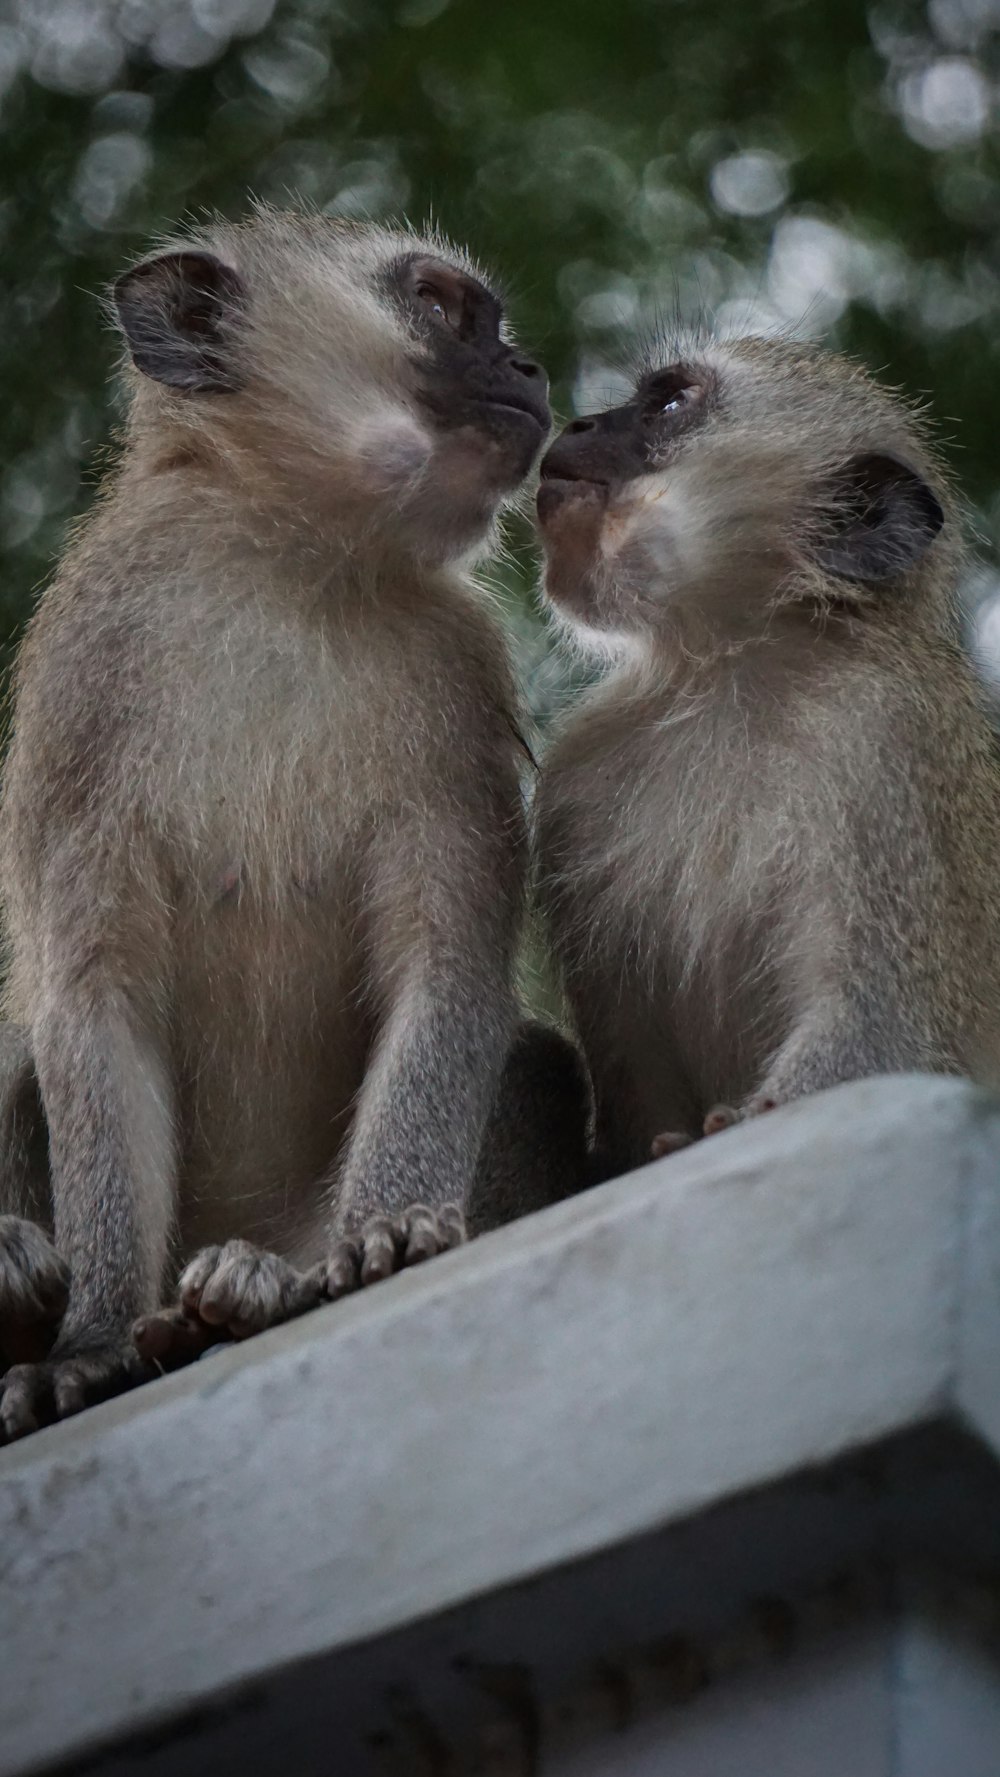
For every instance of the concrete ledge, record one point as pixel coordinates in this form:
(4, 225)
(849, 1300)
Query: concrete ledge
(771, 1299)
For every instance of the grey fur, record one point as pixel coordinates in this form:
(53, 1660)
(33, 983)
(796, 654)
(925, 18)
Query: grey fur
(770, 838)
(263, 838)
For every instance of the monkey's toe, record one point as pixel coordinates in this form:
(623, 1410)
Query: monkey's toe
(388, 1244)
(237, 1288)
(34, 1287)
(669, 1141)
(173, 1338)
(759, 1106)
(721, 1116)
(33, 1395)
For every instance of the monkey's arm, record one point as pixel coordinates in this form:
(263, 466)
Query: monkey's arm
(446, 903)
(108, 1097)
(418, 1129)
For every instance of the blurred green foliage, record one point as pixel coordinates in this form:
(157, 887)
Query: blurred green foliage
(829, 167)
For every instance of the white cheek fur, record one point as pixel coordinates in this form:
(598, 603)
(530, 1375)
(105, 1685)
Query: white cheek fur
(671, 527)
(607, 645)
(394, 446)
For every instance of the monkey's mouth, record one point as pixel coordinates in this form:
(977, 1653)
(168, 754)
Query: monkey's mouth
(523, 409)
(451, 413)
(554, 491)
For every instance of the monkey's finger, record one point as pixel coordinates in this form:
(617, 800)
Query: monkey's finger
(761, 1105)
(384, 1244)
(422, 1235)
(670, 1141)
(451, 1226)
(173, 1338)
(195, 1276)
(70, 1392)
(721, 1116)
(343, 1270)
(235, 1295)
(276, 1292)
(306, 1290)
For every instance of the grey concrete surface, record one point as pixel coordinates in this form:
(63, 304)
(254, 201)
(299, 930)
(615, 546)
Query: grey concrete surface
(777, 1296)
(749, 1624)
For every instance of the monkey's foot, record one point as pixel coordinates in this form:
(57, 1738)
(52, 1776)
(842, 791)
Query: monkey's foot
(172, 1338)
(391, 1243)
(76, 1375)
(34, 1286)
(229, 1291)
(669, 1141)
(724, 1116)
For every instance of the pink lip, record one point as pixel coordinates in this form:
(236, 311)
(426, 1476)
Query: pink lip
(553, 490)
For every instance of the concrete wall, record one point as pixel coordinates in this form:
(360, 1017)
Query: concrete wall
(773, 1299)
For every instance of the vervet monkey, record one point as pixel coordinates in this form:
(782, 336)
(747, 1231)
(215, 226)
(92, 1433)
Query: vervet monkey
(770, 838)
(263, 846)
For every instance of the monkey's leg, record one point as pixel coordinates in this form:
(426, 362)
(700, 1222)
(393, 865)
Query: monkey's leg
(34, 1278)
(108, 1097)
(836, 1041)
(534, 1149)
(227, 1292)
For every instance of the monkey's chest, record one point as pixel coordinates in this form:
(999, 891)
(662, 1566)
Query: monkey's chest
(668, 911)
(267, 900)
(272, 1033)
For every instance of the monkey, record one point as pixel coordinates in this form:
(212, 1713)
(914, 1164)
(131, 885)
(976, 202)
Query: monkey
(769, 834)
(263, 835)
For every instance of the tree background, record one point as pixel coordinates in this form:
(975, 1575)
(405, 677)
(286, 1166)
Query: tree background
(826, 167)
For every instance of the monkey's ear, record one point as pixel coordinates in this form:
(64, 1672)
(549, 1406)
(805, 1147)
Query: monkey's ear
(177, 313)
(879, 520)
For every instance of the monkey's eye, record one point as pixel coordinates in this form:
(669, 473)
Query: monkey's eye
(436, 303)
(669, 392)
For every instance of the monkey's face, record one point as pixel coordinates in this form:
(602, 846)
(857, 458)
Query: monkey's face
(602, 482)
(355, 374)
(481, 404)
(733, 479)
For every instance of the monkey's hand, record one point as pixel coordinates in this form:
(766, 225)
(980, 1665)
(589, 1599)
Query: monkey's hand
(391, 1243)
(79, 1372)
(227, 1292)
(34, 1286)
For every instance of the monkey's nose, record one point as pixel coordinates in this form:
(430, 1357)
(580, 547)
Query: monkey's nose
(527, 367)
(575, 427)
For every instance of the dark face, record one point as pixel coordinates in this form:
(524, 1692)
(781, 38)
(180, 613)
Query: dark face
(593, 458)
(470, 377)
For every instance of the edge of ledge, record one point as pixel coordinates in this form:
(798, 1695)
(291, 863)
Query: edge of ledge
(762, 1302)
